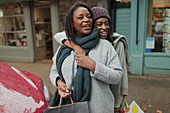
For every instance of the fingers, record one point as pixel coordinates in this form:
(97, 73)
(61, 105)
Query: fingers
(62, 86)
(63, 89)
(64, 94)
(78, 61)
(81, 53)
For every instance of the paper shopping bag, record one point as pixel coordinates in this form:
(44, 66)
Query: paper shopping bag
(134, 108)
(79, 107)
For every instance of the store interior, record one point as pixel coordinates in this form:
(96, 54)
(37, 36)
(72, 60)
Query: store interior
(43, 32)
(158, 33)
(13, 31)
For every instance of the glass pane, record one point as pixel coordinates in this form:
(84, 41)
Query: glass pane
(2, 26)
(10, 9)
(21, 39)
(9, 23)
(18, 10)
(158, 27)
(16, 39)
(3, 40)
(19, 23)
(7, 9)
(12, 25)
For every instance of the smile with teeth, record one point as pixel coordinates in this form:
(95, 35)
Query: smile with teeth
(88, 25)
(104, 32)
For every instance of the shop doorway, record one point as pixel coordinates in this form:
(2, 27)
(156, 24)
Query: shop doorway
(43, 31)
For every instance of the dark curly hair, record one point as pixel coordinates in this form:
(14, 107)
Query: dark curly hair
(69, 19)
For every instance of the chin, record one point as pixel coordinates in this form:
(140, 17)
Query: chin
(103, 37)
(87, 32)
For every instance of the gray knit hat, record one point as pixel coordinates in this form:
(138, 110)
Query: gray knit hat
(99, 12)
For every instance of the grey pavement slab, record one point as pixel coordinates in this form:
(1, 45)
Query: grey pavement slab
(151, 92)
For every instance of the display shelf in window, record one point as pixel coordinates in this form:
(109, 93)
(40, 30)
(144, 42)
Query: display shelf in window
(161, 29)
(20, 15)
(12, 25)
(13, 31)
(42, 22)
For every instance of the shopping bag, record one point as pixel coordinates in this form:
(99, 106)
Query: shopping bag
(134, 108)
(125, 107)
(79, 107)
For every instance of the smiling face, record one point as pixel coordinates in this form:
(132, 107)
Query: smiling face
(102, 24)
(82, 22)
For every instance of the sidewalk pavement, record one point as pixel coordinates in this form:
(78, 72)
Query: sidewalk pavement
(150, 92)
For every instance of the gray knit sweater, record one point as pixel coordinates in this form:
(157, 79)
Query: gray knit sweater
(107, 71)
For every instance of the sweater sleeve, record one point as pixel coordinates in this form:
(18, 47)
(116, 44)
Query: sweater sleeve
(53, 72)
(59, 37)
(121, 89)
(121, 53)
(111, 71)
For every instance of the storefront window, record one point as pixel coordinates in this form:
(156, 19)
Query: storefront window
(158, 33)
(12, 25)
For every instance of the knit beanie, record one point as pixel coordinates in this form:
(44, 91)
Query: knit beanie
(99, 12)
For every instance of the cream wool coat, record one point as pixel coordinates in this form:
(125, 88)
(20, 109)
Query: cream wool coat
(107, 71)
(121, 90)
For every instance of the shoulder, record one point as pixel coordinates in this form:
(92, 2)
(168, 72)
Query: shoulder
(120, 41)
(120, 44)
(105, 46)
(104, 42)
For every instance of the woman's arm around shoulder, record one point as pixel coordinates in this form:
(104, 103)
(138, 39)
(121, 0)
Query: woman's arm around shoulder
(62, 39)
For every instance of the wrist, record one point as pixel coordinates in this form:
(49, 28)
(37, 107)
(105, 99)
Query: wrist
(93, 66)
(74, 46)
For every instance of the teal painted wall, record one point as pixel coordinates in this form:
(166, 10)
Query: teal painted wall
(157, 63)
(138, 34)
(123, 19)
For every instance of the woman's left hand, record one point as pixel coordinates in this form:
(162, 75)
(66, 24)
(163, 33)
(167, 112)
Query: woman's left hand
(86, 62)
(117, 110)
(78, 50)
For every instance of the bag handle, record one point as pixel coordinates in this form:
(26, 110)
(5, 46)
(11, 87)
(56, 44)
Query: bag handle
(61, 97)
(72, 102)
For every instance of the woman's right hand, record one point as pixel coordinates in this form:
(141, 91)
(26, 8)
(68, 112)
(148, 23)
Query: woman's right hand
(63, 89)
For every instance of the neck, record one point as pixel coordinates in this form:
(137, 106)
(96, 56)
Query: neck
(80, 36)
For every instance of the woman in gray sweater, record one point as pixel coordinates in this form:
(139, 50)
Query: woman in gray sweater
(88, 81)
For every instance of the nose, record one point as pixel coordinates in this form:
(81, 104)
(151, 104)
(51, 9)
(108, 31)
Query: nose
(86, 19)
(104, 26)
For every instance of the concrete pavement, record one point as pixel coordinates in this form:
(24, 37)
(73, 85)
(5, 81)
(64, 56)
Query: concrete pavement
(150, 92)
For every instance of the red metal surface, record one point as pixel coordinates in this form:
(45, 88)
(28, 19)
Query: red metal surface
(20, 91)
